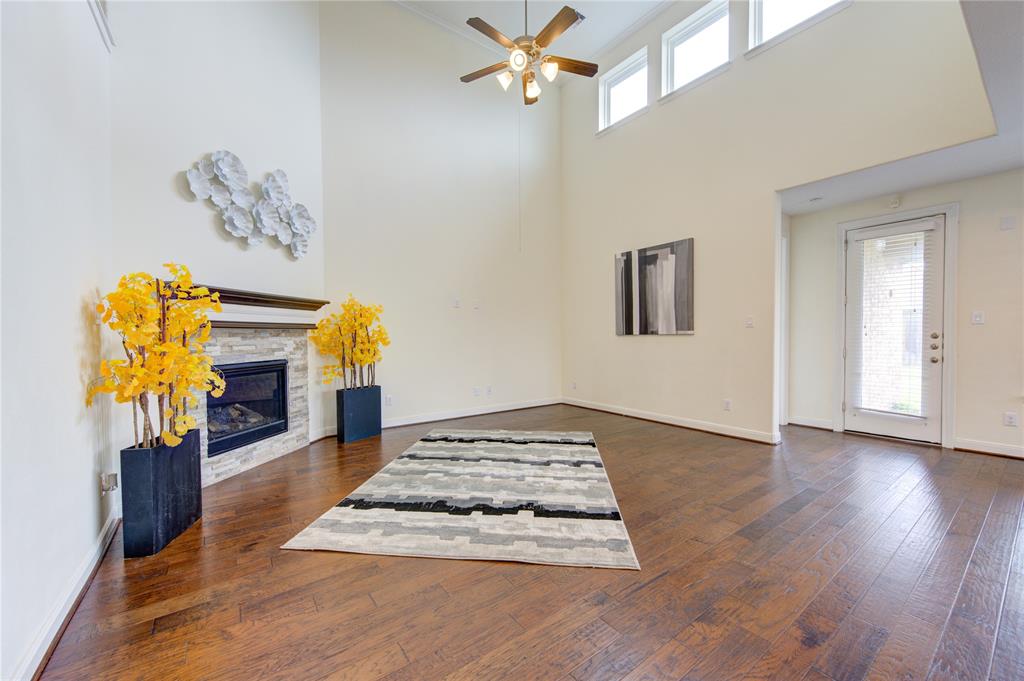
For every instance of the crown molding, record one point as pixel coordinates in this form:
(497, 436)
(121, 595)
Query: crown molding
(639, 23)
(410, 6)
(463, 32)
(99, 15)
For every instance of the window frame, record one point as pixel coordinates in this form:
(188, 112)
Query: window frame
(756, 44)
(683, 31)
(629, 66)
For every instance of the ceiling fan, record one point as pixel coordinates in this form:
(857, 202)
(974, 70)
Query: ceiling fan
(525, 54)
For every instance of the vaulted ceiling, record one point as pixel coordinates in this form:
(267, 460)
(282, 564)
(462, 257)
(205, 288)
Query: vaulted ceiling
(606, 21)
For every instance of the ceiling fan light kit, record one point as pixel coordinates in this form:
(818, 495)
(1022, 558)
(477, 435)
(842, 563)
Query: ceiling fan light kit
(505, 78)
(549, 69)
(532, 89)
(525, 54)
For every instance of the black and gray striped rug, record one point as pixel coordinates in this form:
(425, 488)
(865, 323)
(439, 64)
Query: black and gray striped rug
(527, 496)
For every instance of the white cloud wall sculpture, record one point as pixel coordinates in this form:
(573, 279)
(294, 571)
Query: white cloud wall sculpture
(223, 180)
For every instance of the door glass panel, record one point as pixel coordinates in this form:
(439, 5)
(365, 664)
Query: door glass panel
(892, 310)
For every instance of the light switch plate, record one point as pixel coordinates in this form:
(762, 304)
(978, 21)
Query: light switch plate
(748, 322)
(1011, 419)
(977, 317)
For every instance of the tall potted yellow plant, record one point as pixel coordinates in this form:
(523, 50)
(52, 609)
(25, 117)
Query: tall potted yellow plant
(163, 326)
(354, 338)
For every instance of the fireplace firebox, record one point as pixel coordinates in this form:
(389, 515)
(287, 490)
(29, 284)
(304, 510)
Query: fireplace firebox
(254, 405)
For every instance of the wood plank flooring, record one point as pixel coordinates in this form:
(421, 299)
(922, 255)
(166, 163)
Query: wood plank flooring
(830, 557)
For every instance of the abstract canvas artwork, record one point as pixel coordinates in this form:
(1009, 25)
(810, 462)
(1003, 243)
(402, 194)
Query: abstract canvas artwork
(654, 290)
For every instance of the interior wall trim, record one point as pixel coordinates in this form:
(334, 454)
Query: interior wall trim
(810, 422)
(330, 431)
(985, 447)
(760, 436)
(235, 324)
(45, 640)
(234, 296)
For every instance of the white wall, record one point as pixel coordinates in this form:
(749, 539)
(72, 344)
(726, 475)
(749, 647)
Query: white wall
(990, 278)
(422, 201)
(706, 164)
(55, 244)
(192, 77)
(189, 78)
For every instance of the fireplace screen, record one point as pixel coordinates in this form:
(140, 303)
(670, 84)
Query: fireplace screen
(254, 405)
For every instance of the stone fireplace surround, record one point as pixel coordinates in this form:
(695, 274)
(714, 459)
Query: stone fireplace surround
(254, 327)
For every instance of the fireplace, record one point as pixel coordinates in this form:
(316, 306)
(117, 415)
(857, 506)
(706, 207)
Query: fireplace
(254, 405)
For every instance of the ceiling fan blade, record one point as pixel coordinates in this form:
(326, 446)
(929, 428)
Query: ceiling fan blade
(566, 18)
(491, 32)
(580, 68)
(486, 71)
(527, 100)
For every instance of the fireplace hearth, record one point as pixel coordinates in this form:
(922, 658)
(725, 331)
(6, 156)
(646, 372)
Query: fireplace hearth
(254, 405)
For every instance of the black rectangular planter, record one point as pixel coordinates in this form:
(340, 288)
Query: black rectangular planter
(161, 494)
(358, 413)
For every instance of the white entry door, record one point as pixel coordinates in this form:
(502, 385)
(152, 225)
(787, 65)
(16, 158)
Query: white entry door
(894, 283)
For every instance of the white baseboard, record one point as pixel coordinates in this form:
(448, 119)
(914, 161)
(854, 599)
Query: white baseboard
(811, 423)
(320, 433)
(51, 626)
(331, 431)
(719, 428)
(989, 447)
(471, 411)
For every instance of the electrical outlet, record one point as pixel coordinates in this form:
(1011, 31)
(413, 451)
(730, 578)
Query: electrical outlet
(476, 391)
(490, 391)
(977, 317)
(389, 400)
(727, 404)
(1011, 419)
(108, 482)
(748, 322)
(456, 303)
(477, 305)
(573, 385)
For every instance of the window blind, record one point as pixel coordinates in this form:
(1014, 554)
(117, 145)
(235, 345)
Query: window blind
(891, 313)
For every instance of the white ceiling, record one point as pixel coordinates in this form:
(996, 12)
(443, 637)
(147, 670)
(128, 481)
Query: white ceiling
(606, 20)
(997, 32)
(995, 27)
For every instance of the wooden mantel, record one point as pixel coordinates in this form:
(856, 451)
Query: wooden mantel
(232, 296)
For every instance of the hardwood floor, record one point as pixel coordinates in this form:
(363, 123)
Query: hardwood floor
(829, 557)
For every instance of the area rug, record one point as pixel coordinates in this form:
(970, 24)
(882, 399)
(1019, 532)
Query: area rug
(526, 496)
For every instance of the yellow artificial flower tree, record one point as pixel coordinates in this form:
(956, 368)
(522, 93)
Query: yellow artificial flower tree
(163, 326)
(355, 338)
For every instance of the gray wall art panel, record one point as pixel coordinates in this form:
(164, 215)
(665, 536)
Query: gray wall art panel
(654, 290)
